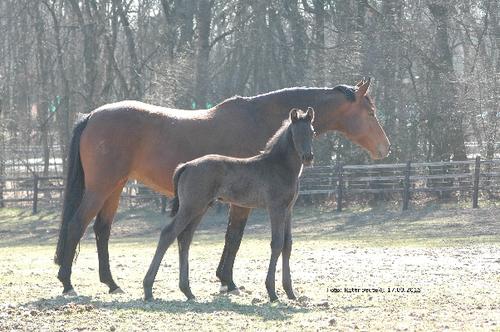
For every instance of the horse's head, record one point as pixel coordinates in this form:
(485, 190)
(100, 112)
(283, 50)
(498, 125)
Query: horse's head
(355, 118)
(303, 133)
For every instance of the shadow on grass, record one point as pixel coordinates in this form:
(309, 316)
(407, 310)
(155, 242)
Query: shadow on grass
(267, 311)
(19, 227)
(385, 226)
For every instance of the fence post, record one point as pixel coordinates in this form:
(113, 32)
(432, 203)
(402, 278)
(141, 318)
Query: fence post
(35, 194)
(340, 186)
(406, 186)
(475, 192)
(163, 204)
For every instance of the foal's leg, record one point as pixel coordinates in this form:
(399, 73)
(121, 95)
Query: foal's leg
(237, 220)
(287, 250)
(278, 234)
(90, 205)
(102, 228)
(167, 236)
(184, 241)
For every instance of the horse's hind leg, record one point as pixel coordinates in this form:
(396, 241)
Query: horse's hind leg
(236, 226)
(287, 250)
(102, 229)
(90, 205)
(167, 236)
(184, 241)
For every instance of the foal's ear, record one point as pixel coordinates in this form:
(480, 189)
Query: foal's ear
(363, 88)
(310, 114)
(294, 114)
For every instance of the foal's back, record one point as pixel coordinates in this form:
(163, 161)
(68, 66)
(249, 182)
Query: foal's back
(247, 182)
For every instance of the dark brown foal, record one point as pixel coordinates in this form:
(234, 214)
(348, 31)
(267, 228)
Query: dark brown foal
(269, 180)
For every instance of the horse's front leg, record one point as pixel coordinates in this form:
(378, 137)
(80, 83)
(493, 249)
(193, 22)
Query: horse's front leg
(287, 250)
(277, 217)
(237, 220)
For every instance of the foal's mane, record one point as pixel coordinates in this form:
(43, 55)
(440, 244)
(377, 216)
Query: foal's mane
(279, 140)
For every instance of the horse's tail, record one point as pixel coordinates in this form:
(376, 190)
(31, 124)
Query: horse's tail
(74, 188)
(175, 202)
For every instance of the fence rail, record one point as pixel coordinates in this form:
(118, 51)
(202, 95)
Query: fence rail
(473, 176)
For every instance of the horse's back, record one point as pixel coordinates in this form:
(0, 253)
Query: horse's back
(131, 139)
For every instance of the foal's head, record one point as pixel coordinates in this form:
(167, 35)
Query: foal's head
(302, 133)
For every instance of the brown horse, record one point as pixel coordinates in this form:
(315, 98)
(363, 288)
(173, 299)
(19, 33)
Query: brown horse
(269, 180)
(133, 140)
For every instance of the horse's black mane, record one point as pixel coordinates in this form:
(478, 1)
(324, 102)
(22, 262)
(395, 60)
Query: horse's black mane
(347, 90)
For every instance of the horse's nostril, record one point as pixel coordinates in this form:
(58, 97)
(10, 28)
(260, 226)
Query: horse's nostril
(308, 157)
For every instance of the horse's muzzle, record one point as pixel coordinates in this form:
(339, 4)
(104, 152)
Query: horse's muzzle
(307, 159)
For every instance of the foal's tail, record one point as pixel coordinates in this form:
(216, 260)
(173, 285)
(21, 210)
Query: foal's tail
(175, 202)
(73, 191)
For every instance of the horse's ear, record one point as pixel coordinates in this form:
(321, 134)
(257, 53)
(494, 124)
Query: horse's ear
(310, 114)
(294, 114)
(363, 88)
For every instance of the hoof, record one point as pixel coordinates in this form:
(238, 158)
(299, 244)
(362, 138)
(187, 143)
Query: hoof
(273, 299)
(117, 291)
(148, 299)
(235, 291)
(70, 293)
(148, 293)
(223, 289)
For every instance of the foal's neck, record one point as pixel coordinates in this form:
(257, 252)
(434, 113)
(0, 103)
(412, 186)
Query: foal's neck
(283, 151)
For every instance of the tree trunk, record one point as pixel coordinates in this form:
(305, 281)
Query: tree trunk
(492, 132)
(299, 42)
(90, 52)
(319, 42)
(203, 19)
(389, 77)
(186, 10)
(43, 80)
(448, 119)
(63, 116)
(137, 91)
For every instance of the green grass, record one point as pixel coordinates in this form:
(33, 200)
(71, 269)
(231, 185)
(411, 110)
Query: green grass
(451, 254)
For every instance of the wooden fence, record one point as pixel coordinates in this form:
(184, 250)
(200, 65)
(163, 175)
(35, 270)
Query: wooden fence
(466, 177)
(401, 181)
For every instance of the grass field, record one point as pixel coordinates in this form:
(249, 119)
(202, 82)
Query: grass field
(428, 269)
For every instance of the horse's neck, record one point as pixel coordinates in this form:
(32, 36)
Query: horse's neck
(273, 109)
(257, 120)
